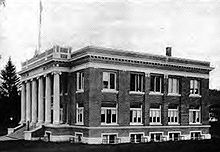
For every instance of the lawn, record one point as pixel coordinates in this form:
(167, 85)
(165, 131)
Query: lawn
(181, 146)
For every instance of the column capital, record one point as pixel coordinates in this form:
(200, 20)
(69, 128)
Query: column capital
(147, 74)
(57, 72)
(165, 76)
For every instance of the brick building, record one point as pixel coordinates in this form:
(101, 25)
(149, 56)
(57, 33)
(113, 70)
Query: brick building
(99, 95)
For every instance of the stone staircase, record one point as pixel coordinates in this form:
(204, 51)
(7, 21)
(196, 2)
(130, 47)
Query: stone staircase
(17, 134)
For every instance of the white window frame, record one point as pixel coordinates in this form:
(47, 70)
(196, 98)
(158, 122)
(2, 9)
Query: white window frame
(108, 134)
(135, 133)
(173, 132)
(199, 115)
(151, 113)
(80, 87)
(154, 135)
(173, 113)
(195, 84)
(173, 86)
(137, 81)
(155, 79)
(79, 110)
(195, 132)
(133, 116)
(79, 133)
(109, 89)
(105, 112)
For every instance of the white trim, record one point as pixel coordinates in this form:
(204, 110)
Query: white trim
(174, 94)
(80, 91)
(138, 69)
(109, 91)
(155, 93)
(195, 95)
(126, 127)
(136, 92)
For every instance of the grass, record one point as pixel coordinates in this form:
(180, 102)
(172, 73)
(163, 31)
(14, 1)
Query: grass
(180, 146)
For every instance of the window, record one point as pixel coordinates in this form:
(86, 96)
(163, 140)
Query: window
(109, 139)
(173, 86)
(109, 80)
(155, 116)
(136, 115)
(80, 81)
(195, 135)
(173, 115)
(61, 115)
(136, 138)
(137, 83)
(108, 115)
(174, 136)
(194, 116)
(79, 115)
(194, 87)
(156, 137)
(78, 137)
(156, 83)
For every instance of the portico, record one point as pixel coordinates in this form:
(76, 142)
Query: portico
(40, 100)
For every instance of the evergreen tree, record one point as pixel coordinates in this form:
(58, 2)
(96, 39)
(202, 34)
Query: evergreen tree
(10, 96)
(10, 81)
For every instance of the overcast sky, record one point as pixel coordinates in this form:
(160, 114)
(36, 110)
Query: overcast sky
(191, 27)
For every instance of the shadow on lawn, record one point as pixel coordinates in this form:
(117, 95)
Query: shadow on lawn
(180, 146)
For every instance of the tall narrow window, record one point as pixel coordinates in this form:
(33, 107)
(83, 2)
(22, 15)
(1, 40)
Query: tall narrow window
(137, 82)
(194, 115)
(109, 80)
(173, 115)
(79, 115)
(173, 86)
(136, 115)
(80, 81)
(194, 87)
(108, 115)
(155, 115)
(156, 83)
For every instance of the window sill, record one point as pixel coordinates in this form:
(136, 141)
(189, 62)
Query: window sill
(110, 124)
(155, 93)
(136, 92)
(170, 123)
(198, 123)
(173, 94)
(79, 91)
(155, 124)
(79, 124)
(195, 95)
(136, 124)
(110, 91)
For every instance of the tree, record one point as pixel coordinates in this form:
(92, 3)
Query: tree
(10, 95)
(10, 80)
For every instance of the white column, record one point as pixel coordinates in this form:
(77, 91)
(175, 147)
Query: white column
(23, 110)
(28, 102)
(34, 102)
(40, 101)
(48, 100)
(56, 102)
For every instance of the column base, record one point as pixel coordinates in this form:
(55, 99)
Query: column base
(47, 122)
(56, 123)
(33, 123)
(22, 122)
(40, 123)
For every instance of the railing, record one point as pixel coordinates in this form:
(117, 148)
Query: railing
(114, 141)
(55, 52)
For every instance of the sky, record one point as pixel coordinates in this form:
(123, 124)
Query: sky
(190, 27)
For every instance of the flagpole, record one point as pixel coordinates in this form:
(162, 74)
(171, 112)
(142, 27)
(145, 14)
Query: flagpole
(39, 29)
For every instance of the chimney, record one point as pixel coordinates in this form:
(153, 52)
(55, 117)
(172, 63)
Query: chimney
(168, 51)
